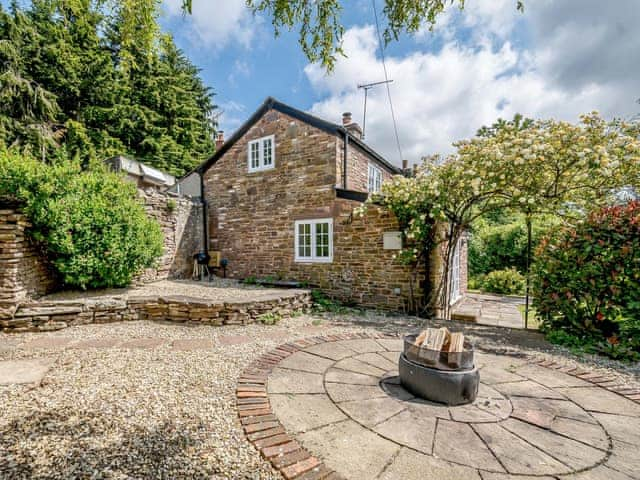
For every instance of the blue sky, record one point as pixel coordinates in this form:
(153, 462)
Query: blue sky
(558, 59)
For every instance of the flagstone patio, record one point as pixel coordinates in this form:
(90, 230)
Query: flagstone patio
(341, 400)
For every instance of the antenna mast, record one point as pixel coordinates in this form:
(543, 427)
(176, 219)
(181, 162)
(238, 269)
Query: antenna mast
(366, 87)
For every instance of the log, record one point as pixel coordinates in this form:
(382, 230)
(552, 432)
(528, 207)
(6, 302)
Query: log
(456, 347)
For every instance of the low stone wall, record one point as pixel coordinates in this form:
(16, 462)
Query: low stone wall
(24, 273)
(59, 314)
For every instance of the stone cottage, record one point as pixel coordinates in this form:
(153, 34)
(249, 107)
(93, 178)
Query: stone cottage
(279, 197)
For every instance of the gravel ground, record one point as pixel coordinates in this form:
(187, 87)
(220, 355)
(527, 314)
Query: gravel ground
(222, 289)
(116, 412)
(136, 413)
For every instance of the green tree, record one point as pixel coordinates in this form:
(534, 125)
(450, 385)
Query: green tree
(320, 26)
(86, 74)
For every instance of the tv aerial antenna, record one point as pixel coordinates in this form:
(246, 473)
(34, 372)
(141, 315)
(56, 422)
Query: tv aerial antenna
(366, 87)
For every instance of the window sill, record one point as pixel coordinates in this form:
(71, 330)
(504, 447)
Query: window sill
(313, 260)
(262, 169)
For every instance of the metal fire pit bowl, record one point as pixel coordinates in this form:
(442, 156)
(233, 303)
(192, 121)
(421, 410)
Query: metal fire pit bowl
(428, 374)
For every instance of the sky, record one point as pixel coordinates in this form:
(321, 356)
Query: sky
(558, 59)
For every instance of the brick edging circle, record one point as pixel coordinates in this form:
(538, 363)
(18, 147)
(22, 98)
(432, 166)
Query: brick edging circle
(263, 429)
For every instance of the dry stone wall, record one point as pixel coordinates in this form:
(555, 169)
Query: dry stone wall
(23, 271)
(181, 221)
(59, 314)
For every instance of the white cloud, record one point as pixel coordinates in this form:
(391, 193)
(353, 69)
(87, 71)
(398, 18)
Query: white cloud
(214, 24)
(577, 58)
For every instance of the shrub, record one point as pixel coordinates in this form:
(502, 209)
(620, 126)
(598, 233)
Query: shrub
(269, 318)
(587, 281)
(90, 222)
(500, 242)
(508, 282)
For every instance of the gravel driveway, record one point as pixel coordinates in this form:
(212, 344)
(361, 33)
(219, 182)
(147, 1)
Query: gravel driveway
(152, 400)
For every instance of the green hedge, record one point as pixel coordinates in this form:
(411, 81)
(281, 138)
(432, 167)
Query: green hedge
(508, 282)
(587, 282)
(90, 222)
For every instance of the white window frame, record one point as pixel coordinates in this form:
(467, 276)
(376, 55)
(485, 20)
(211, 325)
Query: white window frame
(374, 183)
(260, 142)
(313, 258)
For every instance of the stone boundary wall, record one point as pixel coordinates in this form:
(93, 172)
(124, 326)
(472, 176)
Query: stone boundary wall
(24, 273)
(181, 221)
(59, 314)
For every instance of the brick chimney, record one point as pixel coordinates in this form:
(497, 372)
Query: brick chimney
(219, 139)
(352, 127)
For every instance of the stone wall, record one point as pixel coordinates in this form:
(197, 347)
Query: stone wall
(358, 168)
(24, 273)
(251, 215)
(181, 221)
(59, 314)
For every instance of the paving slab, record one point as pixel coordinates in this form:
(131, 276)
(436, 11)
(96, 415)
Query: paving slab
(599, 473)
(569, 451)
(391, 344)
(24, 371)
(393, 357)
(331, 350)
(624, 458)
(283, 380)
(492, 374)
(362, 345)
(377, 361)
(409, 429)
(600, 400)
(410, 465)
(515, 454)
(372, 411)
(357, 366)
(550, 378)
(527, 388)
(340, 392)
(350, 449)
(91, 343)
(459, 443)
(522, 425)
(307, 362)
(549, 407)
(336, 375)
(299, 413)
(619, 427)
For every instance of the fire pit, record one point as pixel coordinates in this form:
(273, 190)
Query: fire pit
(438, 365)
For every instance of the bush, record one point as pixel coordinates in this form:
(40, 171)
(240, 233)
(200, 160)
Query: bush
(90, 222)
(507, 282)
(500, 242)
(587, 281)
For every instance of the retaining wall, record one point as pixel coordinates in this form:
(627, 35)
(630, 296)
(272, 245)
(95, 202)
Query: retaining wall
(59, 314)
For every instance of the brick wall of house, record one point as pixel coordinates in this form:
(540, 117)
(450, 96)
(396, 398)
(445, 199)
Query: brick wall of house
(362, 271)
(24, 273)
(357, 168)
(252, 215)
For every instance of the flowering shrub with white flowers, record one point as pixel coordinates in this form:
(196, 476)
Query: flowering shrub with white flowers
(545, 166)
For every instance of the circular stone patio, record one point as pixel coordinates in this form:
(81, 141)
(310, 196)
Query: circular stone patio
(343, 403)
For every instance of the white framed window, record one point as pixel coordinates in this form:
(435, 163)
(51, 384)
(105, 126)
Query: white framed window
(314, 240)
(375, 179)
(262, 154)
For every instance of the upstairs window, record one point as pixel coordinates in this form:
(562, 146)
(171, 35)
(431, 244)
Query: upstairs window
(314, 240)
(262, 154)
(375, 179)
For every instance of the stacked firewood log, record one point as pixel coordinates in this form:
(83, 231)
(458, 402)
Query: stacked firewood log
(436, 340)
